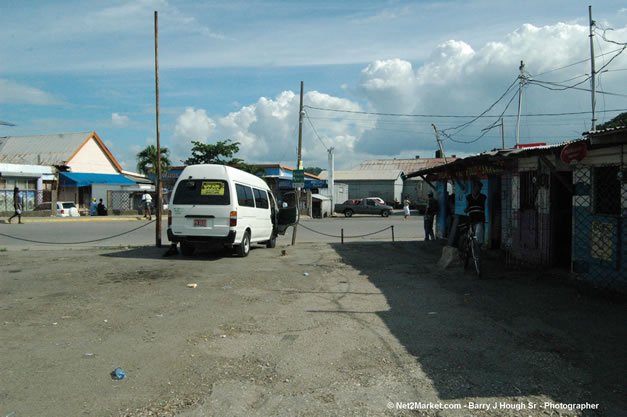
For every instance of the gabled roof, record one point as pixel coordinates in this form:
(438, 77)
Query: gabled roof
(52, 149)
(372, 175)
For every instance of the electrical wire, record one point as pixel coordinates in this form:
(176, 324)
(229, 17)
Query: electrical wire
(316, 132)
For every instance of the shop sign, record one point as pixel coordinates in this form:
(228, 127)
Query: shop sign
(574, 152)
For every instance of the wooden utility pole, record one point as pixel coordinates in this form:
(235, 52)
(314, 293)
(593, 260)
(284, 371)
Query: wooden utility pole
(299, 162)
(593, 71)
(158, 205)
(437, 137)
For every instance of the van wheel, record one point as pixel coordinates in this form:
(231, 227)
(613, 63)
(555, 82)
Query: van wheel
(272, 242)
(348, 213)
(187, 249)
(243, 248)
(385, 213)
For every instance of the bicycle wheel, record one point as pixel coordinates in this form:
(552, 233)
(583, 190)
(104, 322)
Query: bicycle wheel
(476, 256)
(463, 250)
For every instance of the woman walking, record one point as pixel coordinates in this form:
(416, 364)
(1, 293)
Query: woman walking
(17, 205)
(406, 210)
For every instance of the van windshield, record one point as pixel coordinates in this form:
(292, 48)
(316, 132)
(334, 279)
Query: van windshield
(202, 192)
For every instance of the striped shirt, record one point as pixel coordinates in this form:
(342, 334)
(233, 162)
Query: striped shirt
(476, 208)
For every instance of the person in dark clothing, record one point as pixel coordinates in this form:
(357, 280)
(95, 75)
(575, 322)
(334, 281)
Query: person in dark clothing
(432, 209)
(475, 208)
(17, 205)
(450, 212)
(102, 210)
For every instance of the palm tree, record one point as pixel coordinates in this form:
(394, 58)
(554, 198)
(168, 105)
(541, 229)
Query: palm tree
(147, 160)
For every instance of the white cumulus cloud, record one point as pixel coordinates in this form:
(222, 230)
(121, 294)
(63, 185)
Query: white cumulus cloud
(119, 120)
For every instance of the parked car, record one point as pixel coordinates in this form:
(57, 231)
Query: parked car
(67, 209)
(377, 199)
(363, 206)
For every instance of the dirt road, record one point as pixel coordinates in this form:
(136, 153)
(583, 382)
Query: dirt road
(363, 329)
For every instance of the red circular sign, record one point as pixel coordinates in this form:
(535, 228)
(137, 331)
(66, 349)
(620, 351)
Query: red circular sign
(574, 152)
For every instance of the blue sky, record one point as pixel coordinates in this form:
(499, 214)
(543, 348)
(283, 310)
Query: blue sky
(233, 70)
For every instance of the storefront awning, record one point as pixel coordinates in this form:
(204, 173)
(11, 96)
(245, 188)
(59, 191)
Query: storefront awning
(85, 179)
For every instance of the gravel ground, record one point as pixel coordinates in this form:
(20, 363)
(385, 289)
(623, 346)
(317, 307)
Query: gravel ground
(363, 329)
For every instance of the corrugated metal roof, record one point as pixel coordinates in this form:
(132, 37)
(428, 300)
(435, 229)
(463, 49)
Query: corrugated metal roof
(616, 129)
(497, 153)
(383, 174)
(406, 165)
(51, 149)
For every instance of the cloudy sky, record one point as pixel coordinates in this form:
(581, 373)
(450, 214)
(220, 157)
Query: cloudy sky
(377, 74)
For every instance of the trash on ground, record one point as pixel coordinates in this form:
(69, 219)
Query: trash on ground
(118, 374)
(306, 274)
(283, 252)
(432, 313)
(192, 285)
(223, 336)
(89, 355)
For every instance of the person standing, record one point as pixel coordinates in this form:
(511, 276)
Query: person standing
(93, 208)
(101, 209)
(406, 210)
(475, 208)
(17, 205)
(430, 213)
(147, 199)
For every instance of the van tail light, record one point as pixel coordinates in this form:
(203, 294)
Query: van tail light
(62, 211)
(169, 218)
(233, 221)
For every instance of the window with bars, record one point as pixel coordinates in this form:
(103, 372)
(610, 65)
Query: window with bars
(606, 190)
(528, 189)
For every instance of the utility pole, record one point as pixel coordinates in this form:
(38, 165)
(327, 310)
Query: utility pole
(158, 182)
(593, 71)
(331, 179)
(503, 132)
(437, 137)
(299, 162)
(520, 87)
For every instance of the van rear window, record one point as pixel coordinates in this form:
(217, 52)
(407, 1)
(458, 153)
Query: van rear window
(202, 192)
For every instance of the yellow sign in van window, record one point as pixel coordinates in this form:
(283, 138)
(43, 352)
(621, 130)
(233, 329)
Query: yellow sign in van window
(212, 188)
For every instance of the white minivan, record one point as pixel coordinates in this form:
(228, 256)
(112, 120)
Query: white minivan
(218, 204)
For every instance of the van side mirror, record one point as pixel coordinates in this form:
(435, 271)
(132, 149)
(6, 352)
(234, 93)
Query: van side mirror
(288, 216)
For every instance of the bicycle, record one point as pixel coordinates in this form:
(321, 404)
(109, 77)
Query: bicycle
(469, 247)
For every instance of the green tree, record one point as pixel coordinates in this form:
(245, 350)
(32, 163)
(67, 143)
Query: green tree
(147, 160)
(206, 153)
(313, 170)
(618, 121)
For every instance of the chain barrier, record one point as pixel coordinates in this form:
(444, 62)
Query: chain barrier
(77, 243)
(345, 237)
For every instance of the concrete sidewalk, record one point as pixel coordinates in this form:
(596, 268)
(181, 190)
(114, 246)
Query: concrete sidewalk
(74, 219)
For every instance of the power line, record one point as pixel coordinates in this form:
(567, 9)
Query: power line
(314, 130)
(575, 63)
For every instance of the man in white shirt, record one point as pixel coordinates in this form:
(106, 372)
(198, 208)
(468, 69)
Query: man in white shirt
(147, 200)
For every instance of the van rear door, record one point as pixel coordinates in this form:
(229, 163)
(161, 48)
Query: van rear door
(201, 207)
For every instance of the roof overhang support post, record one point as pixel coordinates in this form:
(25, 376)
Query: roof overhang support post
(556, 173)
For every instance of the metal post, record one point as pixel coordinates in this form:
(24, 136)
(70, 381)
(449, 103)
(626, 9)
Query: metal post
(299, 162)
(342, 236)
(503, 132)
(520, 87)
(593, 80)
(392, 233)
(158, 204)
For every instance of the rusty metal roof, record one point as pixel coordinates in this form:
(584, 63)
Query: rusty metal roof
(372, 175)
(50, 149)
(406, 165)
